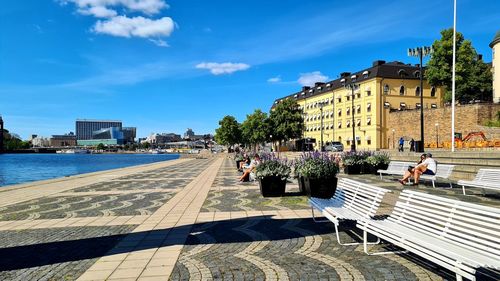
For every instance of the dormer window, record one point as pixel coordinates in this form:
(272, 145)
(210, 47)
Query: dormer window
(416, 74)
(342, 81)
(386, 89)
(353, 78)
(365, 74)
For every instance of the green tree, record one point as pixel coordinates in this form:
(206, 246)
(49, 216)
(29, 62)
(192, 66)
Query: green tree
(229, 131)
(287, 121)
(255, 129)
(100, 146)
(473, 76)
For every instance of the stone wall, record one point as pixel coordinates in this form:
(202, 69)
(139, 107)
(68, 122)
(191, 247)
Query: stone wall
(468, 118)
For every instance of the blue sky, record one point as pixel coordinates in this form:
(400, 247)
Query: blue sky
(166, 65)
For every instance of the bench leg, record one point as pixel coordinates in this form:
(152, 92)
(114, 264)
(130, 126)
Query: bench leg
(352, 243)
(314, 217)
(463, 189)
(433, 184)
(381, 176)
(365, 247)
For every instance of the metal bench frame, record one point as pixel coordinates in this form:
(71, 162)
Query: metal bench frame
(485, 178)
(353, 200)
(457, 235)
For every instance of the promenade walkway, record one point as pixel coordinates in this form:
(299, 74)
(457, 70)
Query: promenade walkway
(185, 219)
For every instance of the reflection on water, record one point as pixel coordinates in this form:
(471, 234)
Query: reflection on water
(20, 168)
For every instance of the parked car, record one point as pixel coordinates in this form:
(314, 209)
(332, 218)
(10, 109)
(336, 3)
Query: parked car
(335, 146)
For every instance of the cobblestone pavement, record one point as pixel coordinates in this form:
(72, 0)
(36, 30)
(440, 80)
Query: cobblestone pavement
(55, 254)
(192, 220)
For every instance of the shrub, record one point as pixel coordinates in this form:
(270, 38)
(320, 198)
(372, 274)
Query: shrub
(316, 165)
(355, 158)
(273, 166)
(376, 160)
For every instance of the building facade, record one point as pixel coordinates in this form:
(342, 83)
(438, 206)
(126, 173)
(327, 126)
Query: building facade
(63, 140)
(85, 128)
(495, 46)
(330, 109)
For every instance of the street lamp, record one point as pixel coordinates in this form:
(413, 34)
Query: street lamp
(437, 134)
(393, 145)
(352, 86)
(421, 52)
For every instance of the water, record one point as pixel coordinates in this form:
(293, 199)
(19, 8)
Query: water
(21, 168)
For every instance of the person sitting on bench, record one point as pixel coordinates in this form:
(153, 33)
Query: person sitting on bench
(246, 174)
(427, 167)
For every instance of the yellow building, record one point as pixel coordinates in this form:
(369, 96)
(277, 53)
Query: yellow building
(329, 107)
(495, 45)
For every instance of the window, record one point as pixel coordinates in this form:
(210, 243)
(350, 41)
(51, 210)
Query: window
(417, 91)
(348, 111)
(353, 78)
(368, 121)
(339, 112)
(358, 109)
(348, 124)
(365, 74)
(386, 89)
(368, 93)
(339, 125)
(433, 91)
(369, 107)
(416, 74)
(348, 98)
(402, 90)
(368, 142)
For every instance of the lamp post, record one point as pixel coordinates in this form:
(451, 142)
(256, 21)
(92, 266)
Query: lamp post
(421, 52)
(437, 134)
(393, 145)
(321, 104)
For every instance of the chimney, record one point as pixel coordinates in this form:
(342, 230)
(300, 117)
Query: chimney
(378, 62)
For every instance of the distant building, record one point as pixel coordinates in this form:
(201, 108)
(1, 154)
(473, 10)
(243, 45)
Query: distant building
(40, 142)
(129, 134)
(63, 140)
(85, 127)
(189, 134)
(495, 46)
(163, 138)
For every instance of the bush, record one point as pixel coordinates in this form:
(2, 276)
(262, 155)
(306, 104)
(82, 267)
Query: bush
(376, 160)
(316, 165)
(355, 158)
(273, 166)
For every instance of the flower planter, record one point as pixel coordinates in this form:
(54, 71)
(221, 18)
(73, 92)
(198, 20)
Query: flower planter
(374, 169)
(320, 188)
(352, 169)
(366, 168)
(272, 186)
(302, 186)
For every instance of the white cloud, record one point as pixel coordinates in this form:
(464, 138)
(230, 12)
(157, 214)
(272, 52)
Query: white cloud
(159, 42)
(308, 79)
(97, 11)
(123, 26)
(223, 68)
(149, 7)
(276, 79)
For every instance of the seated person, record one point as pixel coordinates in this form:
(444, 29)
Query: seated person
(251, 168)
(245, 163)
(427, 166)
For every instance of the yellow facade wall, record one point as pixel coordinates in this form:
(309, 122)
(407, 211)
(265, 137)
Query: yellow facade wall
(370, 115)
(496, 73)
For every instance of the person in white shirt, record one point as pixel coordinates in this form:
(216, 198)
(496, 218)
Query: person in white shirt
(427, 167)
(253, 164)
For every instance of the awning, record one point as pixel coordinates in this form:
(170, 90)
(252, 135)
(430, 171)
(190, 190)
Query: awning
(402, 104)
(303, 93)
(328, 85)
(354, 76)
(366, 72)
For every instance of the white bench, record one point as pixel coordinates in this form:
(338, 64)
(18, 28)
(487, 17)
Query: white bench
(395, 168)
(353, 200)
(443, 172)
(485, 178)
(456, 235)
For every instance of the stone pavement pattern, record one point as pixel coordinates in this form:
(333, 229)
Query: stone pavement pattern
(186, 220)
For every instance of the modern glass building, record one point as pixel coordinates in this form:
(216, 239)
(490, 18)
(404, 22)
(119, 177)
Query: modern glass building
(85, 127)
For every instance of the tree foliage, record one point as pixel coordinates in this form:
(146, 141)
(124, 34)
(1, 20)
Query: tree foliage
(473, 76)
(13, 142)
(255, 128)
(286, 120)
(229, 131)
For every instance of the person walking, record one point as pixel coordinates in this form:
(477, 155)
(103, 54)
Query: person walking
(401, 144)
(412, 145)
